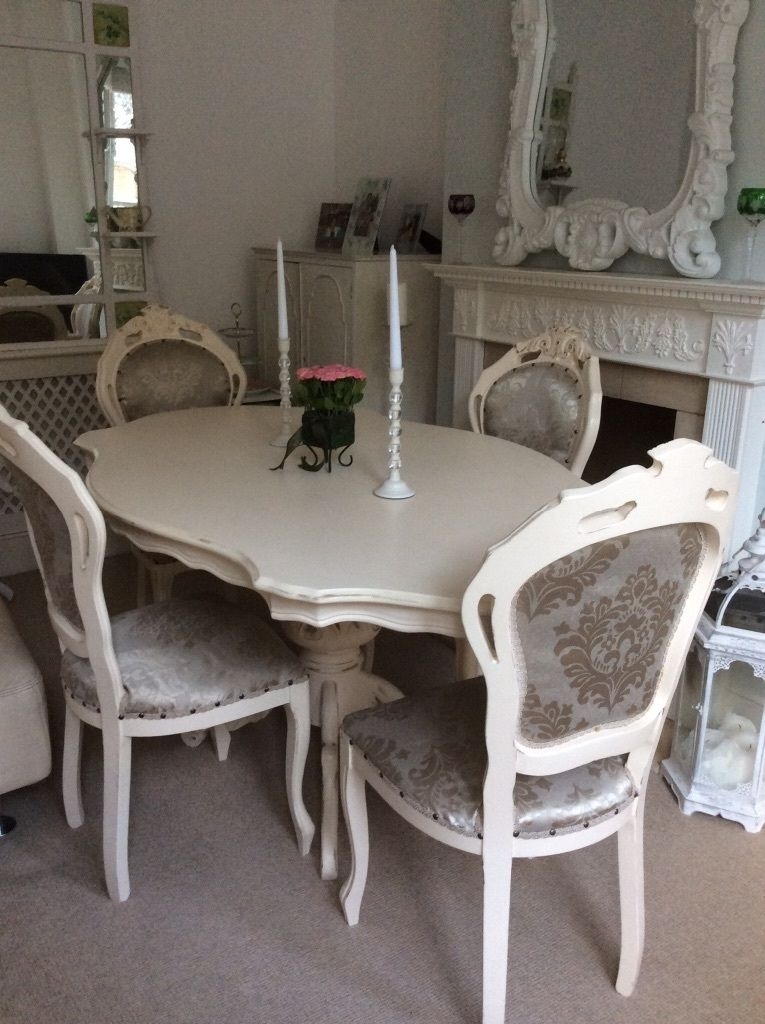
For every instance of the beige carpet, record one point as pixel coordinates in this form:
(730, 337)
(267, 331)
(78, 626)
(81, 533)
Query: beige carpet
(227, 924)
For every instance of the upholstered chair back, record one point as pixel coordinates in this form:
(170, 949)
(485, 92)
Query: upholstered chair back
(581, 655)
(68, 535)
(544, 394)
(160, 361)
(595, 628)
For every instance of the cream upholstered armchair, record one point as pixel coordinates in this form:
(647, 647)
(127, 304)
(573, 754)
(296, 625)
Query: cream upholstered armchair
(580, 621)
(544, 394)
(167, 668)
(24, 739)
(158, 361)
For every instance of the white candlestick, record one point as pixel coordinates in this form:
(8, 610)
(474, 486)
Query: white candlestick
(393, 314)
(281, 292)
(394, 486)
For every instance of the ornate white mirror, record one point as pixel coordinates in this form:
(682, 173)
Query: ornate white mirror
(619, 140)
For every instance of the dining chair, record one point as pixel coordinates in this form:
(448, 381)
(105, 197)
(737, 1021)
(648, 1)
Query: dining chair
(33, 323)
(544, 394)
(158, 361)
(86, 315)
(161, 669)
(580, 621)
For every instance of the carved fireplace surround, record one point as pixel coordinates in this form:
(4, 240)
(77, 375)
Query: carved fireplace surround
(695, 346)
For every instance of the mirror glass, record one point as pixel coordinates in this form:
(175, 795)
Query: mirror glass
(620, 90)
(620, 131)
(59, 20)
(46, 172)
(115, 97)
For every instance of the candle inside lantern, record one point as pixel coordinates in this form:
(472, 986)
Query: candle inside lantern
(281, 293)
(393, 313)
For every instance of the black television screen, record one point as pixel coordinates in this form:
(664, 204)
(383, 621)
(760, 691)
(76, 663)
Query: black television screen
(56, 273)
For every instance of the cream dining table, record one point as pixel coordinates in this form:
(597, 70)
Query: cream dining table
(334, 562)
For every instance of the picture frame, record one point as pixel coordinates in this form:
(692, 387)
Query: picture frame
(333, 223)
(364, 222)
(410, 227)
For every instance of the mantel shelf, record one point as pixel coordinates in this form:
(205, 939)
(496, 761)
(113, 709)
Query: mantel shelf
(683, 335)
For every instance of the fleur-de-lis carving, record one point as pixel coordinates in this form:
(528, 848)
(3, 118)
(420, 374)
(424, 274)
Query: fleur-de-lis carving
(732, 338)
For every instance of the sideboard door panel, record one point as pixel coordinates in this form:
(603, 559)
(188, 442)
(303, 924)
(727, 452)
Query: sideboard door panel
(327, 312)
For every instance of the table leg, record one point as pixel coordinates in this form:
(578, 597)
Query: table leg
(334, 658)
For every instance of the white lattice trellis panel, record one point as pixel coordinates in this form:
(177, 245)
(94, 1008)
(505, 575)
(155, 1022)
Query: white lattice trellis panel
(57, 409)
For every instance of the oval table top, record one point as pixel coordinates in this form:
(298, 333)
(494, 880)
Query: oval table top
(320, 547)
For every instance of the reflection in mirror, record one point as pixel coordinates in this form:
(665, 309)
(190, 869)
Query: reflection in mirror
(599, 120)
(42, 19)
(46, 177)
(86, 318)
(115, 95)
(120, 172)
(111, 25)
(46, 171)
(127, 310)
(571, 181)
(116, 101)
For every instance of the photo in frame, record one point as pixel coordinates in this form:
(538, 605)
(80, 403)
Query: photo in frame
(364, 222)
(412, 219)
(333, 222)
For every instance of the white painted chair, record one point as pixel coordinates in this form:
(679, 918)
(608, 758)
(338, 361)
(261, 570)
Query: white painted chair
(580, 621)
(544, 394)
(158, 361)
(38, 323)
(163, 669)
(86, 316)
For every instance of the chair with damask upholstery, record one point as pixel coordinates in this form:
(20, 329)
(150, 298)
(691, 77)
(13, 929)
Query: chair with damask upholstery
(158, 361)
(580, 621)
(544, 394)
(162, 669)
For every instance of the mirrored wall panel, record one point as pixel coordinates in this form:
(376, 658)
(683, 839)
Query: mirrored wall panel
(42, 19)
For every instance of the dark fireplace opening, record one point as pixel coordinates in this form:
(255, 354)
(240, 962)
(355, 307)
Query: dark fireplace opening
(627, 431)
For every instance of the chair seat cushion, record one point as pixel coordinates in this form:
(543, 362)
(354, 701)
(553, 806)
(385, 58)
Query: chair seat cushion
(431, 749)
(185, 656)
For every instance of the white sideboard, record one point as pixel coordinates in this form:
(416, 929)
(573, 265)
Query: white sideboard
(695, 346)
(337, 313)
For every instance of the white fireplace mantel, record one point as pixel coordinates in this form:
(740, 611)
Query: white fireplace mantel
(709, 330)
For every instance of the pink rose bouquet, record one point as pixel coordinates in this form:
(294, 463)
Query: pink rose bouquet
(328, 388)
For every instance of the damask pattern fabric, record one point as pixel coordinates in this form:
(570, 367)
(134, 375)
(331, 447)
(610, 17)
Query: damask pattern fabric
(538, 406)
(51, 536)
(431, 749)
(187, 655)
(593, 628)
(170, 374)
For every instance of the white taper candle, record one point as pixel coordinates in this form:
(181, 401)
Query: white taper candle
(281, 292)
(393, 314)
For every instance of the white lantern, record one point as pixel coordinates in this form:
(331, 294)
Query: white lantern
(717, 762)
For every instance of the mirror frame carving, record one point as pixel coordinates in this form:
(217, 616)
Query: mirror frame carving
(592, 233)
